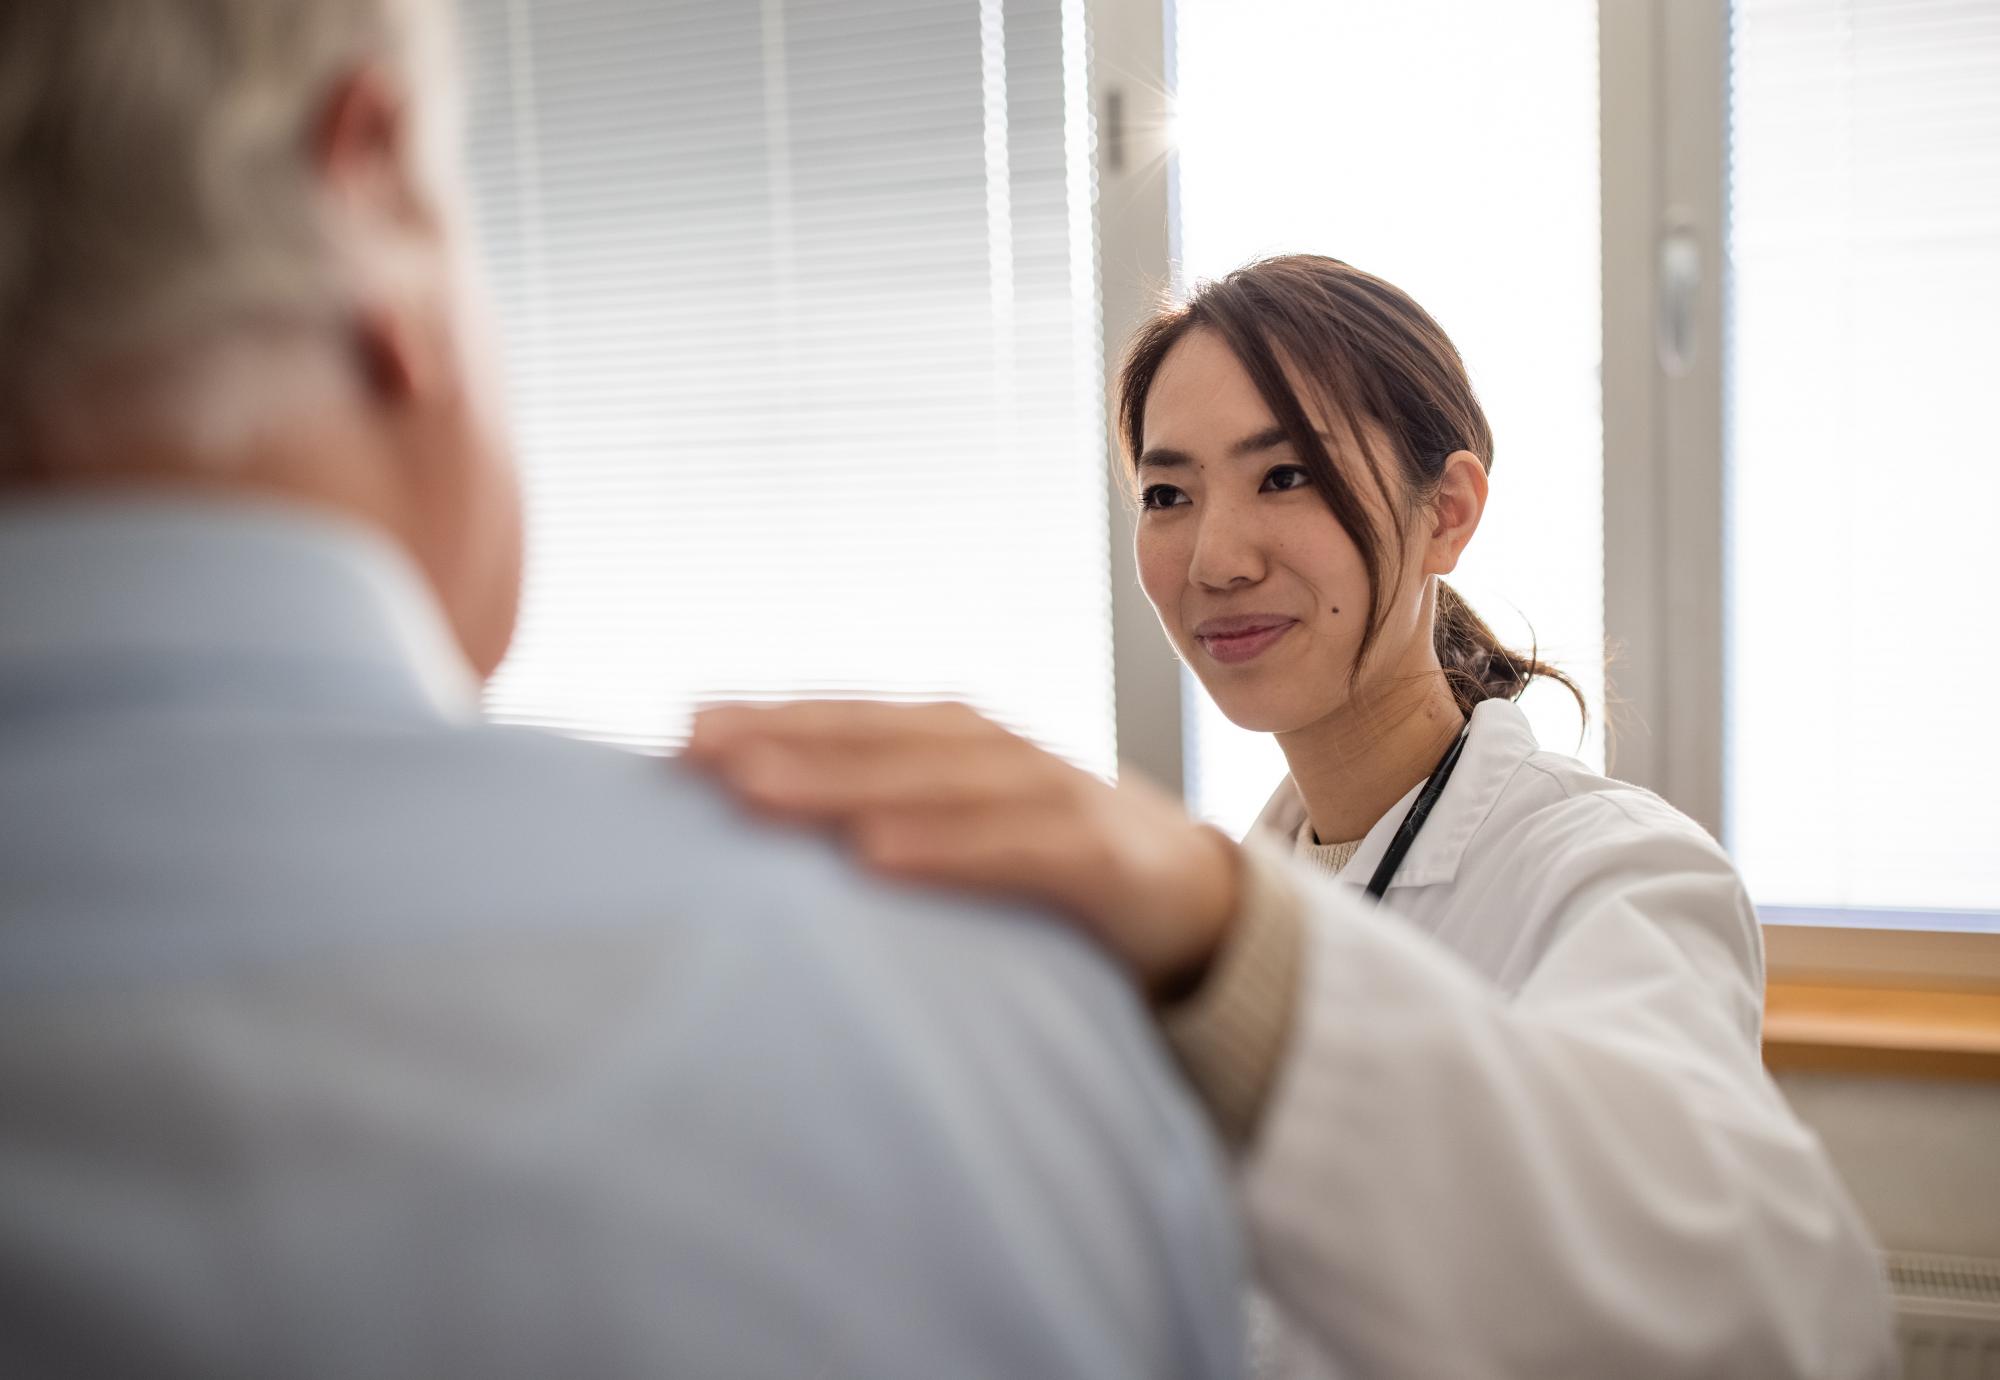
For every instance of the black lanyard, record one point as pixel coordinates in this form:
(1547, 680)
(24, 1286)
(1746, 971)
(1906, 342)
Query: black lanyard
(1413, 822)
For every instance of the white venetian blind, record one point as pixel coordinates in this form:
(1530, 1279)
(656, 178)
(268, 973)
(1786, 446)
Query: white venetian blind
(1865, 465)
(798, 305)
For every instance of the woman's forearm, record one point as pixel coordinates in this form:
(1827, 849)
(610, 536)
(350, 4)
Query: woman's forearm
(1229, 1034)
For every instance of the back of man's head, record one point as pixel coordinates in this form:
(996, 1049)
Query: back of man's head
(231, 257)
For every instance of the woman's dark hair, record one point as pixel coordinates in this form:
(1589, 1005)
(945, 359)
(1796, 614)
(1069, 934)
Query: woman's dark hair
(1370, 354)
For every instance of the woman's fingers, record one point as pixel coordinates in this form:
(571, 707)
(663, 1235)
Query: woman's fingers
(721, 729)
(801, 776)
(1002, 849)
(819, 782)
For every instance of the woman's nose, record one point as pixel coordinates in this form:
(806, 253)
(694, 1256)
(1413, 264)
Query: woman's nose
(1228, 552)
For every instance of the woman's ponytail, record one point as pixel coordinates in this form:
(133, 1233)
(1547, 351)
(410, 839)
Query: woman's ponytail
(1477, 666)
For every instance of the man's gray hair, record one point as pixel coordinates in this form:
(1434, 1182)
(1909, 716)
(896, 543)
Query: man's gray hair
(155, 171)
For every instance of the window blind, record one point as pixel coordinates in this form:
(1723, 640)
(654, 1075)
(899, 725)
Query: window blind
(798, 304)
(1864, 471)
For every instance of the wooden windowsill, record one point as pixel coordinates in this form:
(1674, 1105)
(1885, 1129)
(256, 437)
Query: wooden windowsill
(1893, 1031)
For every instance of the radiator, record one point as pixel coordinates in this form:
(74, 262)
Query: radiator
(1947, 1316)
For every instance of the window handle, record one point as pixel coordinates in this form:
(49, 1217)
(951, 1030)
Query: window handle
(1680, 283)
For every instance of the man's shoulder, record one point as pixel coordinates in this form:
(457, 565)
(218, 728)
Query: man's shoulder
(254, 840)
(629, 1029)
(606, 821)
(590, 837)
(341, 855)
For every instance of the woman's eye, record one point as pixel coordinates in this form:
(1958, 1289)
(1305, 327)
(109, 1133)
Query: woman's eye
(1161, 496)
(1286, 477)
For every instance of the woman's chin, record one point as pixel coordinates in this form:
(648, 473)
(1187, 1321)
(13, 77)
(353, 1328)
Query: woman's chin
(1257, 715)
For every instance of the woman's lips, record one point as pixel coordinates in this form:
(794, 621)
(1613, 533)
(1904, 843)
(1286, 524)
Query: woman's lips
(1233, 641)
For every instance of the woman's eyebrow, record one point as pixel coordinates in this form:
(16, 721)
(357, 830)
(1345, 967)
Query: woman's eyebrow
(1270, 438)
(1164, 458)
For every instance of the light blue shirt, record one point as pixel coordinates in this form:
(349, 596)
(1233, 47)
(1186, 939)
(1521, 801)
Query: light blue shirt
(344, 1034)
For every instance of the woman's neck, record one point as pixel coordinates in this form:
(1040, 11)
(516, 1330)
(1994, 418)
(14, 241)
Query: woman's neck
(1354, 765)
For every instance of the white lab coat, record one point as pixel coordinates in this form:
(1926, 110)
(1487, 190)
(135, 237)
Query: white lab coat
(1522, 1127)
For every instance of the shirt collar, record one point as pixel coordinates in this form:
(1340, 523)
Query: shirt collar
(1499, 742)
(224, 582)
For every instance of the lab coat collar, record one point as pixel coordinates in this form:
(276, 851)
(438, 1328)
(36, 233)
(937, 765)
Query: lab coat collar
(1500, 741)
(243, 597)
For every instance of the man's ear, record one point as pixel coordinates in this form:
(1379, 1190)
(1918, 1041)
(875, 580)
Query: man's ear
(1455, 510)
(363, 157)
(361, 148)
(391, 360)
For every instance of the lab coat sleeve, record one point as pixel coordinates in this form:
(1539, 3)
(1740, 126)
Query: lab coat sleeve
(1592, 1176)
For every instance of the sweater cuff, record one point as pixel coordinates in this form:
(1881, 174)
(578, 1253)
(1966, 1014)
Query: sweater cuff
(1229, 1034)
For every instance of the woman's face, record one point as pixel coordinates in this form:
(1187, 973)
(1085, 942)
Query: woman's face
(1259, 587)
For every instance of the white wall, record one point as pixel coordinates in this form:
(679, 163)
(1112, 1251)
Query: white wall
(1921, 1156)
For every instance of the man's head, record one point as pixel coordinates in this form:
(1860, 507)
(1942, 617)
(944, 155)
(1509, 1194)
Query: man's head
(233, 258)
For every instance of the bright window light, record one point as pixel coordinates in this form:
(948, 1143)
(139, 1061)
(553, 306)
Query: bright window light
(1864, 474)
(799, 301)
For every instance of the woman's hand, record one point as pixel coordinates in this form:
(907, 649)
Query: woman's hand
(934, 793)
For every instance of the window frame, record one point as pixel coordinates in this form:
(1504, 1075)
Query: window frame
(1130, 77)
(1664, 118)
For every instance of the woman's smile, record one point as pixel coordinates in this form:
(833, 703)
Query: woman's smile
(1242, 637)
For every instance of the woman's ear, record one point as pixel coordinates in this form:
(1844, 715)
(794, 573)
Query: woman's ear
(1455, 510)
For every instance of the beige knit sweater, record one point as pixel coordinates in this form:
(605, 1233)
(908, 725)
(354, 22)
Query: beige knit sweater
(1229, 1033)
